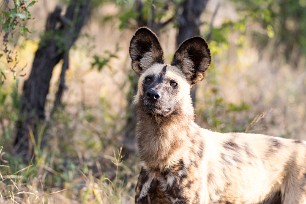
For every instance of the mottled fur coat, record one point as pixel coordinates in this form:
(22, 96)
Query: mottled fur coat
(184, 163)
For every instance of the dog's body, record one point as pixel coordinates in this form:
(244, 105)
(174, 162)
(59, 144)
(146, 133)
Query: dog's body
(184, 163)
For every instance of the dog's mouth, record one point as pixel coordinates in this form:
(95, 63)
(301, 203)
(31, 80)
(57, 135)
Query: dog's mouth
(157, 109)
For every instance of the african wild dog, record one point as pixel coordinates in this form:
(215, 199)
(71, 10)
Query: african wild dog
(184, 163)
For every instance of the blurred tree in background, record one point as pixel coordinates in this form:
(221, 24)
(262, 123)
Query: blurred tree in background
(279, 24)
(61, 32)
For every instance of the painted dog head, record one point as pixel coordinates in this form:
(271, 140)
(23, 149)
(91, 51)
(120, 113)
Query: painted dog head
(163, 88)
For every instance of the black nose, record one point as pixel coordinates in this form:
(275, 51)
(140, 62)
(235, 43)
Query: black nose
(153, 94)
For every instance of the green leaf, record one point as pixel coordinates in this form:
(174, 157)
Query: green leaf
(31, 3)
(6, 14)
(121, 1)
(6, 26)
(125, 18)
(238, 107)
(24, 30)
(21, 15)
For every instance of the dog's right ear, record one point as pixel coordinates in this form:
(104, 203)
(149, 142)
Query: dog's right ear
(145, 50)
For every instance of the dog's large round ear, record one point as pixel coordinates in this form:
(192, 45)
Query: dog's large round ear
(145, 50)
(193, 58)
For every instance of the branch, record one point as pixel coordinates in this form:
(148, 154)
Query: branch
(211, 25)
(165, 23)
(62, 83)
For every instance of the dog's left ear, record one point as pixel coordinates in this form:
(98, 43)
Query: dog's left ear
(193, 58)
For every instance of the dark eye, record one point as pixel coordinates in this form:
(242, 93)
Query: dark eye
(173, 83)
(148, 79)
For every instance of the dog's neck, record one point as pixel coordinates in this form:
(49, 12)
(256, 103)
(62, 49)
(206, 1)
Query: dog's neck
(161, 140)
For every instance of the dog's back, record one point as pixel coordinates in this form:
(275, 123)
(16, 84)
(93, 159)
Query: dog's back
(251, 168)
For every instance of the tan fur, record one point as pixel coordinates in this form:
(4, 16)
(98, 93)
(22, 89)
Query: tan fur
(184, 163)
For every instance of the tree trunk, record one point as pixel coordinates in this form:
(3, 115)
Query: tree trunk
(60, 34)
(189, 25)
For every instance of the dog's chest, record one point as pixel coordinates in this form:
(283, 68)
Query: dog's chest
(183, 186)
(178, 184)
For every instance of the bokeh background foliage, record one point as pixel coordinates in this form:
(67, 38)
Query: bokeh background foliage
(74, 141)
